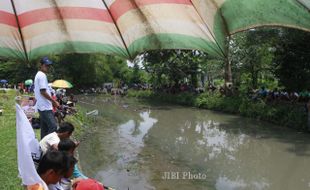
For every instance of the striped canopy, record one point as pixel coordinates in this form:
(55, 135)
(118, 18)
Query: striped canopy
(33, 28)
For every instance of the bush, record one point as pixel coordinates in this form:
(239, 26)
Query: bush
(284, 114)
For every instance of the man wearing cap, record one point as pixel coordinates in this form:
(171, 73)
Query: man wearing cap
(45, 102)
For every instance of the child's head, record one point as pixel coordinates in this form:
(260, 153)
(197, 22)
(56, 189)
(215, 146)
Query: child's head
(53, 166)
(67, 145)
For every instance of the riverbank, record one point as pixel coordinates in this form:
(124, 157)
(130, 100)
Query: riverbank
(283, 114)
(8, 157)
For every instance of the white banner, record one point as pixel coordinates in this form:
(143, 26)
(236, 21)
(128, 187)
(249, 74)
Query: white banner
(27, 148)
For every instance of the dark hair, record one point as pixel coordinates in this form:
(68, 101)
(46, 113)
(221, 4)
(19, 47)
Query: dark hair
(66, 145)
(65, 127)
(56, 160)
(72, 160)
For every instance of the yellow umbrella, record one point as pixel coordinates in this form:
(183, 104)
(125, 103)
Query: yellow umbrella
(61, 84)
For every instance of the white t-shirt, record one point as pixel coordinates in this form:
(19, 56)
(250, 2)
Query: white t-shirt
(48, 141)
(40, 82)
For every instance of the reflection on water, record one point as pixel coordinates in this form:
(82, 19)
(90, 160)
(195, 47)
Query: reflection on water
(170, 147)
(133, 132)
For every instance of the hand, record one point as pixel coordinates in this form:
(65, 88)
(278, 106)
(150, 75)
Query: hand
(75, 182)
(55, 104)
(77, 144)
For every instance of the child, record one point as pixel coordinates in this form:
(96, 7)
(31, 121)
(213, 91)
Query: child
(53, 166)
(65, 182)
(51, 140)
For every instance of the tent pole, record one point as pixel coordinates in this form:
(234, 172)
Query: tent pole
(120, 34)
(20, 31)
(227, 75)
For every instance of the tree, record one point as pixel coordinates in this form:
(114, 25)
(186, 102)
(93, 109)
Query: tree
(252, 54)
(170, 68)
(292, 62)
(16, 72)
(86, 70)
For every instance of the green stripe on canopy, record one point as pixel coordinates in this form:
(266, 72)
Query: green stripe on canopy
(245, 14)
(77, 47)
(173, 41)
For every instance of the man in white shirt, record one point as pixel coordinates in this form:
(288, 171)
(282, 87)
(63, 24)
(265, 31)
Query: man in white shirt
(45, 102)
(50, 141)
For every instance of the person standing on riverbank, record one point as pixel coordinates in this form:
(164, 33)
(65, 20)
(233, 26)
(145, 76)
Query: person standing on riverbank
(45, 102)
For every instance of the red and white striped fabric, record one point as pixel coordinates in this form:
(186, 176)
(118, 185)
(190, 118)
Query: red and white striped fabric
(129, 27)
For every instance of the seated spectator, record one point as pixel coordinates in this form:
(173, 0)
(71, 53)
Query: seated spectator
(275, 94)
(222, 90)
(293, 96)
(262, 92)
(51, 140)
(211, 87)
(53, 166)
(72, 98)
(284, 95)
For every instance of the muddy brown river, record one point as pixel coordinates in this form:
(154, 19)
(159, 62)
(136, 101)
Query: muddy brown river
(139, 146)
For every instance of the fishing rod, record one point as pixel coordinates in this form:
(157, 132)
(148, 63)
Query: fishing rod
(107, 188)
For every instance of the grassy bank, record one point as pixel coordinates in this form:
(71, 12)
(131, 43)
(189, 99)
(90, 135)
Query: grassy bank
(280, 113)
(8, 158)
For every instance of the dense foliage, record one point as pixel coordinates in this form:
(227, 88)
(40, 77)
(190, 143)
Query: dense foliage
(292, 63)
(271, 57)
(80, 69)
(282, 114)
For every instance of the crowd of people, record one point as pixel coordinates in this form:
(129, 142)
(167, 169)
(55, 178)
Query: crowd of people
(66, 104)
(57, 165)
(267, 94)
(280, 95)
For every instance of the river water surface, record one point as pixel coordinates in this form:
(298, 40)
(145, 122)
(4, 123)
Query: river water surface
(143, 146)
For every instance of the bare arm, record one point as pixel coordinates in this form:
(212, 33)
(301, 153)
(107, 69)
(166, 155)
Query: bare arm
(47, 96)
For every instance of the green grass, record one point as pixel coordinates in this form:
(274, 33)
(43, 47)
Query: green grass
(8, 157)
(9, 179)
